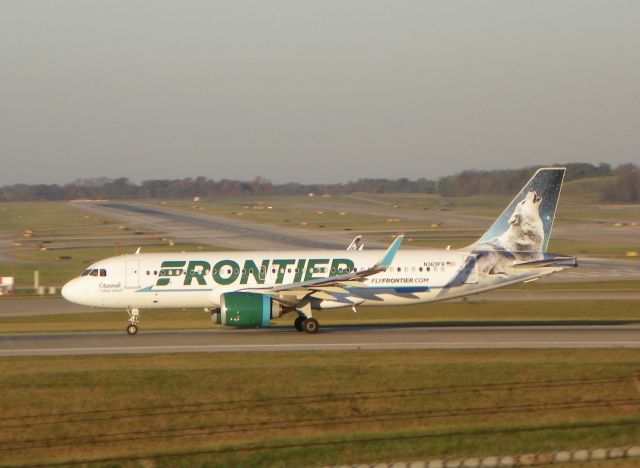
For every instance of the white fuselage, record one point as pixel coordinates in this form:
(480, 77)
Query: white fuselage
(194, 280)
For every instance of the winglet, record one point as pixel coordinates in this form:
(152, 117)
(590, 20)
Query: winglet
(390, 254)
(356, 243)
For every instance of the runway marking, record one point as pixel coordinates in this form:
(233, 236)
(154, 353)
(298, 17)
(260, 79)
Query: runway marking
(302, 346)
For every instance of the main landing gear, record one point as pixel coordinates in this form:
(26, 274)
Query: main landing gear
(134, 318)
(307, 325)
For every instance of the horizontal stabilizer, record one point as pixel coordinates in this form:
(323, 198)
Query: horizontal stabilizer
(554, 262)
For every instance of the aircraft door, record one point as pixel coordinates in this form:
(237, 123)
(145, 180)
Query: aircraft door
(132, 274)
(471, 270)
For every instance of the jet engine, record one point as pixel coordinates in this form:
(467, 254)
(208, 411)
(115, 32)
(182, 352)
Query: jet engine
(243, 310)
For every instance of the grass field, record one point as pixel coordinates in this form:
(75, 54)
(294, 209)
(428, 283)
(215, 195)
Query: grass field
(299, 212)
(59, 241)
(436, 221)
(439, 314)
(55, 271)
(308, 409)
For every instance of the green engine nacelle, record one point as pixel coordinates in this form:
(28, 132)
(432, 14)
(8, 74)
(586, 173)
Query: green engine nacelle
(238, 309)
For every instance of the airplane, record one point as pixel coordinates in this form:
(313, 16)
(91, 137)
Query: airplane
(249, 289)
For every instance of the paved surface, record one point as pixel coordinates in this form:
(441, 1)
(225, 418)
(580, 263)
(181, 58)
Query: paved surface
(245, 235)
(596, 269)
(330, 338)
(218, 230)
(46, 305)
(54, 305)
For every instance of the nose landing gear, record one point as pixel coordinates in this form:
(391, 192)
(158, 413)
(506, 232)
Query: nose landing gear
(134, 318)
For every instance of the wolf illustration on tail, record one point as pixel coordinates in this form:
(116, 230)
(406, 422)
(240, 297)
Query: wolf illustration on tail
(522, 232)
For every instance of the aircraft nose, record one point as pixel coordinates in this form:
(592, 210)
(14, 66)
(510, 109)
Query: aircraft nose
(71, 290)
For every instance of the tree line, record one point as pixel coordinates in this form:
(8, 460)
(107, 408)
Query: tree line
(623, 187)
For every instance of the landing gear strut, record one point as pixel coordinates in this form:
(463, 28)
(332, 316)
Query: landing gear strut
(134, 318)
(307, 325)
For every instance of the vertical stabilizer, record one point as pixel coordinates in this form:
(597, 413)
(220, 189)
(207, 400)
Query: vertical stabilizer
(525, 225)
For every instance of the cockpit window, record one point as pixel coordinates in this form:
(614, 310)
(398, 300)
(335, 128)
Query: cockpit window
(94, 272)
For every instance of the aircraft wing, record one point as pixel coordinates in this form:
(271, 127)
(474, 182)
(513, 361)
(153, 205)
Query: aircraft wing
(325, 288)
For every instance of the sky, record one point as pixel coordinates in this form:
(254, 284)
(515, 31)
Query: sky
(313, 91)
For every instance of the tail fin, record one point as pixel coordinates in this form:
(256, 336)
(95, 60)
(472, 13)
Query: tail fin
(538, 200)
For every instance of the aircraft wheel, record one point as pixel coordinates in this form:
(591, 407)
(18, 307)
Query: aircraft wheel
(132, 329)
(311, 326)
(298, 324)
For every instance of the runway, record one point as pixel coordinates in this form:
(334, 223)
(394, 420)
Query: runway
(56, 305)
(329, 339)
(246, 235)
(218, 230)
